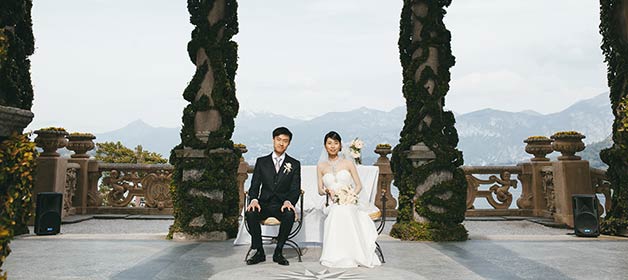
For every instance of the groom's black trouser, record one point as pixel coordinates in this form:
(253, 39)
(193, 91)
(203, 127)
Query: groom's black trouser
(253, 219)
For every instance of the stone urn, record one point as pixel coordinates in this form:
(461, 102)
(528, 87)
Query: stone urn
(242, 148)
(51, 139)
(383, 150)
(568, 143)
(80, 143)
(539, 146)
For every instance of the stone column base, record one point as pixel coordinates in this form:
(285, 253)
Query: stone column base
(206, 236)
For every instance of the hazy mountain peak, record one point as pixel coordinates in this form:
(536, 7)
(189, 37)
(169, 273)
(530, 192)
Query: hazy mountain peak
(487, 137)
(600, 101)
(531, 113)
(137, 124)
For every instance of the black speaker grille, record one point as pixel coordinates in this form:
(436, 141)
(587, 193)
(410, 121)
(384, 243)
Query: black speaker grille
(50, 222)
(586, 223)
(48, 213)
(585, 215)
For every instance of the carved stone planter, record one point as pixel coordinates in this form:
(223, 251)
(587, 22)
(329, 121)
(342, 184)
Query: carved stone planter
(13, 119)
(80, 144)
(383, 151)
(568, 143)
(50, 141)
(242, 148)
(539, 146)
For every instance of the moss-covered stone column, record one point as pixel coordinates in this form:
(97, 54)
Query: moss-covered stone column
(432, 187)
(17, 153)
(614, 30)
(204, 191)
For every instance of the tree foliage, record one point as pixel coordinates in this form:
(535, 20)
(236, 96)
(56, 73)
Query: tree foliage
(17, 163)
(118, 153)
(16, 45)
(614, 30)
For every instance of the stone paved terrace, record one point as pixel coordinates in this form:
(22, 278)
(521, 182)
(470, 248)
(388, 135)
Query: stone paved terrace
(134, 248)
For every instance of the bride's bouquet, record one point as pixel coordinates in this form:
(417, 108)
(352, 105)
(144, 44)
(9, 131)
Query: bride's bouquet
(345, 195)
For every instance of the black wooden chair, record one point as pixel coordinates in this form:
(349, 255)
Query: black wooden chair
(272, 221)
(379, 216)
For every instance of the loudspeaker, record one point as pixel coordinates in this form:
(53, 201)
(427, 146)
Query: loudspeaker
(585, 216)
(48, 213)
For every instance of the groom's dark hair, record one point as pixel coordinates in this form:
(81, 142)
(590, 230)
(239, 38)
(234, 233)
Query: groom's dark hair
(282, 130)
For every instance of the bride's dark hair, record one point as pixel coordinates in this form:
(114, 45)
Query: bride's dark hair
(333, 135)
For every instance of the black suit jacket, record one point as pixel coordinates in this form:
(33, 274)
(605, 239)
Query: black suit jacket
(276, 187)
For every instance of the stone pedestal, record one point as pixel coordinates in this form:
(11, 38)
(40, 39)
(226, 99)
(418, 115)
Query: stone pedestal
(195, 186)
(79, 200)
(50, 175)
(383, 182)
(533, 194)
(80, 144)
(92, 196)
(570, 177)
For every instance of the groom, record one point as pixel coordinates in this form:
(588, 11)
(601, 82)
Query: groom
(279, 176)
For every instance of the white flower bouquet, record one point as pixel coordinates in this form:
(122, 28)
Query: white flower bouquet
(355, 150)
(345, 195)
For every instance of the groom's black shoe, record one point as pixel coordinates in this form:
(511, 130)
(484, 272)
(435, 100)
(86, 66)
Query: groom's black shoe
(278, 258)
(257, 258)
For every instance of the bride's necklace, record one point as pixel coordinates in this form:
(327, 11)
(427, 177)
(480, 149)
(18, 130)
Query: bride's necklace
(333, 164)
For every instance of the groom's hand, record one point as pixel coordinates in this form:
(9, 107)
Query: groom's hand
(330, 193)
(253, 206)
(287, 205)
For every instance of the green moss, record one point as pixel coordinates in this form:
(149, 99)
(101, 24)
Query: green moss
(415, 231)
(16, 45)
(439, 134)
(220, 169)
(615, 51)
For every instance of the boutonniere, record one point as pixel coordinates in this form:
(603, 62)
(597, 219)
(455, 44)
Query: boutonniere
(287, 167)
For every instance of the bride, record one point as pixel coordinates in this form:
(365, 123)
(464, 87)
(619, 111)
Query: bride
(349, 233)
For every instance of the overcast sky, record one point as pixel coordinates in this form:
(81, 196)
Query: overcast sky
(100, 64)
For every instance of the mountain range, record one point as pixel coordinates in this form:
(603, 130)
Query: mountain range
(487, 137)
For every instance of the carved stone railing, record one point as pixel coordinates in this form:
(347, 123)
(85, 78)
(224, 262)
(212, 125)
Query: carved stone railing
(496, 190)
(546, 185)
(547, 175)
(70, 188)
(601, 185)
(147, 185)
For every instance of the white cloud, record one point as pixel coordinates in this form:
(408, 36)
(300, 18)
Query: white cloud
(99, 65)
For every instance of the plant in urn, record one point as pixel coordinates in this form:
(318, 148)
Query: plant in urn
(539, 146)
(80, 143)
(568, 143)
(50, 139)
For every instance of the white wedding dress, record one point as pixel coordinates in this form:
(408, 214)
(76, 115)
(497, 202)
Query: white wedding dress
(349, 233)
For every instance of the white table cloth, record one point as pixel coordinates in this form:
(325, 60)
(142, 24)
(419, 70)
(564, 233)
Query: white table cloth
(314, 204)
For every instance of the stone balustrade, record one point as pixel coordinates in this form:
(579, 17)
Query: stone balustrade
(494, 184)
(539, 187)
(138, 185)
(93, 187)
(117, 188)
